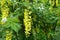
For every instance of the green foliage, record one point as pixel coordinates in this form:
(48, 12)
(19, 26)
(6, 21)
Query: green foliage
(45, 18)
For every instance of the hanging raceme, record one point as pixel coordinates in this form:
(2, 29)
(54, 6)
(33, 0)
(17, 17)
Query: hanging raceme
(51, 2)
(56, 2)
(3, 2)
(27, 22)
(5, 12)
(8, 35)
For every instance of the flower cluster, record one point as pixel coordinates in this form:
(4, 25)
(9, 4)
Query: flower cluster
(8, 35)
(53, 2)
(5, 11)
(27, 22)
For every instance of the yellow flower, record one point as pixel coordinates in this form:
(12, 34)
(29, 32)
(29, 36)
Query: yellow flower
(3, 2)
(27, 22)
(56, 2)
(8, 35)
(51, 2)
(5, 11)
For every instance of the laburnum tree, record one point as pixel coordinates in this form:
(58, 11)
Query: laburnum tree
(29, 19)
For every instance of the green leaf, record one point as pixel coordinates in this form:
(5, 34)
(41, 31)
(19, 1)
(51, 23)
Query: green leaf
(16, 27)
